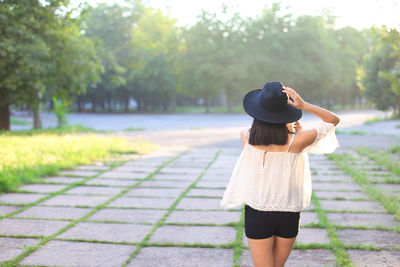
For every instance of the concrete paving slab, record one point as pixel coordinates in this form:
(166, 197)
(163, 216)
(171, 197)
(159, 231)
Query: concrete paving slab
(136, 202)
(155, 192)
(215, 235)
(70, 201)
(206, 192)
(390, 188)
(331, 178)
(12, 247)
(95, 190)
(340, 195)
(53, 212)
(30, 227)
(212, 184)
(363, 219)
(191, 203)
(128, 215)
(182, 257)
(223, 172)
(63, 179)
(93, 167)
(123, 175)
(336, 186)
(78, 173)
(379, 238)
(298, 258)
(64, 253)
(171, 184)
(312, 235)
(355, 205)
(308, 217)
(42, 188)
(310, 207)
(382, 258)
(213, 177)
(111, 182)
(116, 232)
(173, 176)
(189, 164)
(204, 217)
(8, 209)
(175, 170)
(20, 198)
(135, 169)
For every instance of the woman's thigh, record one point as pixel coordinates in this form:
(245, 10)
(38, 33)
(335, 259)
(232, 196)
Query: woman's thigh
(262, 251)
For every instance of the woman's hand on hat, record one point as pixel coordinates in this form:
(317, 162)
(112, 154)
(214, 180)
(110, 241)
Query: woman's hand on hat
(297, 102)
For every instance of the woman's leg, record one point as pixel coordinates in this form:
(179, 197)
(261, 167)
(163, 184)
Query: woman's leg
(281, 250)
(261, 251)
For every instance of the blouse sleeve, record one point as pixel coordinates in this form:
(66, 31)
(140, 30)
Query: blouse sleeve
(326, 141)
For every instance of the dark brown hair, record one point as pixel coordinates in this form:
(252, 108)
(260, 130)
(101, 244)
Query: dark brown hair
(265, 133)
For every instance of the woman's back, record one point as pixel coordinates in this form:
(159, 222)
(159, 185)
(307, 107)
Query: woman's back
(276, 180)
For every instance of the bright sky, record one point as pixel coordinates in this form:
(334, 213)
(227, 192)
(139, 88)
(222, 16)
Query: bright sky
(356, 13)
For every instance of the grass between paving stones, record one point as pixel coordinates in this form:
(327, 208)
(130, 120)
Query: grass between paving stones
(236, 244)
(145, 240)
(382, 158)
(338, 248)
(25, 158)
(53, 194)
(45, 240)
(346, 163)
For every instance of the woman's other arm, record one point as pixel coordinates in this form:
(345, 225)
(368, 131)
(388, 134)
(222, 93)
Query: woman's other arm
(307, 137)
(299, 103)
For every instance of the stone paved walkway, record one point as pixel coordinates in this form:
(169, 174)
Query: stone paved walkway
(163, 209)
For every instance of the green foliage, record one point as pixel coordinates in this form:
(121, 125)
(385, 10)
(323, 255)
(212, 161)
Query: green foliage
(42, 52)
(375, 82)
(109, 54)
(61, 110)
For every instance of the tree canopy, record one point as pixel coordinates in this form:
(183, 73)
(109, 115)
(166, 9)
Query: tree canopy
(109, 55)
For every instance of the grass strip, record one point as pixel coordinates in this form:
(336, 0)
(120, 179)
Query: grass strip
(342, 257)
(30, 250)
(381, 158)
(346, 163)
(170, 210)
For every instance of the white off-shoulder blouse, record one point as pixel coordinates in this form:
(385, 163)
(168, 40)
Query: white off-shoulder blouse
(281, 181)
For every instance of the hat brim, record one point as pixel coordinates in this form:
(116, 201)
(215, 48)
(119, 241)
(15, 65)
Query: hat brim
(252, 107)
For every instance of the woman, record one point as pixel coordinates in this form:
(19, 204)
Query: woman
(272, 175)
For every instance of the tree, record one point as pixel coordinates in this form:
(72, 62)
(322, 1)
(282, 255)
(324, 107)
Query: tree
(154, 61)
(42, 51)
(373, 79)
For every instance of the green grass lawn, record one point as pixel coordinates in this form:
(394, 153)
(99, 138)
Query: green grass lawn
(29, 155)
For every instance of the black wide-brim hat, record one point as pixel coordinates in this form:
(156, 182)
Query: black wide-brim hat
(269, 104)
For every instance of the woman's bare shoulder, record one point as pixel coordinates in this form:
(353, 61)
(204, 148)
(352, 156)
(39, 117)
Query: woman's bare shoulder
(303, 139)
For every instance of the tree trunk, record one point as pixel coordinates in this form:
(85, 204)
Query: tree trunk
(207, 104)
(37, 119)
(126, 100)
(165, 102)
(4, 116)
(173, 101)
(94, 102)
(229, 98)
(109, 103)
(79, 103)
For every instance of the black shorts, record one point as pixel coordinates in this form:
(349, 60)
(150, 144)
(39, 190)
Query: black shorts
(263, 224)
